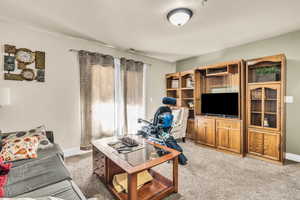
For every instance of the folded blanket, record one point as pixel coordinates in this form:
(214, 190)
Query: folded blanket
(4, 169)
(36, 174)
(120, 181)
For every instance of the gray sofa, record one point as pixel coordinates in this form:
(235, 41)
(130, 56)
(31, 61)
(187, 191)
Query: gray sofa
(43, 176)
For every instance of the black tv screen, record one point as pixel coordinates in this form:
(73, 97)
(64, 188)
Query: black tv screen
(220, 104)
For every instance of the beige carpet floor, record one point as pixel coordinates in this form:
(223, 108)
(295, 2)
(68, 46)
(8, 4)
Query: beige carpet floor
(209, 175)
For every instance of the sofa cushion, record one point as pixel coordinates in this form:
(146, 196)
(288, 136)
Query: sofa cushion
(42, 153)
(66, 190)
(35, 174)
(20, 148)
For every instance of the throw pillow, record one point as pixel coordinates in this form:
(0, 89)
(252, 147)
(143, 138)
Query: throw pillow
(39, 132)
(20, 148)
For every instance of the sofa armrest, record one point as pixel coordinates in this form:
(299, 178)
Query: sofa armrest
(50, 136)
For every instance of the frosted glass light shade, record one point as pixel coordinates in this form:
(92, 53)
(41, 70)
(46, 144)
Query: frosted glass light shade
(179, 16)
(4, 96)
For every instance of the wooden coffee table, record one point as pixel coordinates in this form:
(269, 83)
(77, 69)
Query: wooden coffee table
(107, 162)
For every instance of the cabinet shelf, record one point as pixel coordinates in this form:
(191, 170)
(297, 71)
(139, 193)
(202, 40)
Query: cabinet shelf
(264, 83)
(187, 88)
(150, 190)
(270, 113)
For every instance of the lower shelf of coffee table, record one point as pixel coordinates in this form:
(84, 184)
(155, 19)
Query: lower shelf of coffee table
(158, 188)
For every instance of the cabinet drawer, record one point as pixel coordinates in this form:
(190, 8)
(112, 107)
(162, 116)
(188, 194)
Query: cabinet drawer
(231, 124)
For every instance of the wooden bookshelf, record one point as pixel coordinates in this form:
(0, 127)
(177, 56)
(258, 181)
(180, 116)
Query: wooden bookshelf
(184, 94)
(259, 129)
(265, 78)
(221, 133)
(173, 86)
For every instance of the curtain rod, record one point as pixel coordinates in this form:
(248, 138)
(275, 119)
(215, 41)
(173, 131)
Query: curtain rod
(75, 50)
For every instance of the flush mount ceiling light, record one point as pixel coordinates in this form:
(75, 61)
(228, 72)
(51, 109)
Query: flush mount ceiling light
(179, 16)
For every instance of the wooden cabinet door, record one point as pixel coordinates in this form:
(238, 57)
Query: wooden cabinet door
(255, 142)
(222, 134)
(271, 107)
(210, 132)
(235, 140)
(228, 133)
(272, 146)
(265, 144)
(190, 129)
(200, 132)
(255, 106)
(205, 131)
(264, 106)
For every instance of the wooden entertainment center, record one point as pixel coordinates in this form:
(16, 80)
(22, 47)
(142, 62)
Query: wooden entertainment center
(258, 128)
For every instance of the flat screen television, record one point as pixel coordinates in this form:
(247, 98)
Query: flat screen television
(220, 104)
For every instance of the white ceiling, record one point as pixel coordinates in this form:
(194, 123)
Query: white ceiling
(142, 24)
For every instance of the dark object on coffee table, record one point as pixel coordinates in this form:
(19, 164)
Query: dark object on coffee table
(129, 142)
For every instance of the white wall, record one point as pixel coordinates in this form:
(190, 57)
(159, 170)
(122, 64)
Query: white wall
(55, 103)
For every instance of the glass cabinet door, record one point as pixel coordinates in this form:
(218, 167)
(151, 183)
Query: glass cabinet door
(256, 98)
(271, 107)
(264, 105)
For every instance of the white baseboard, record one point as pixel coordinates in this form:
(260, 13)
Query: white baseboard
(74, 151)
(293, 157)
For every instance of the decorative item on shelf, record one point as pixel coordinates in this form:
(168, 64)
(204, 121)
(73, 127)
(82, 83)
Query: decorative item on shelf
(256, 94)
(189, 82)
(175, 83)
(266, 122)
(191, 104)
(267, 73)
(24, 59)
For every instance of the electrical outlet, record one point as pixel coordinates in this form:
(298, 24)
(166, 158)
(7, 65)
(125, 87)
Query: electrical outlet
(289, 99)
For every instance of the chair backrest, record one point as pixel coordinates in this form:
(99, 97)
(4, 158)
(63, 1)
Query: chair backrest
(180, 115)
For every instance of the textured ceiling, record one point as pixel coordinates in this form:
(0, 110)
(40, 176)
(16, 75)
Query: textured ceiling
(142, 24)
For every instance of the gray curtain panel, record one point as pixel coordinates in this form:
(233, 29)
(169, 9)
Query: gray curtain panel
(133, 94)
(97, 96)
